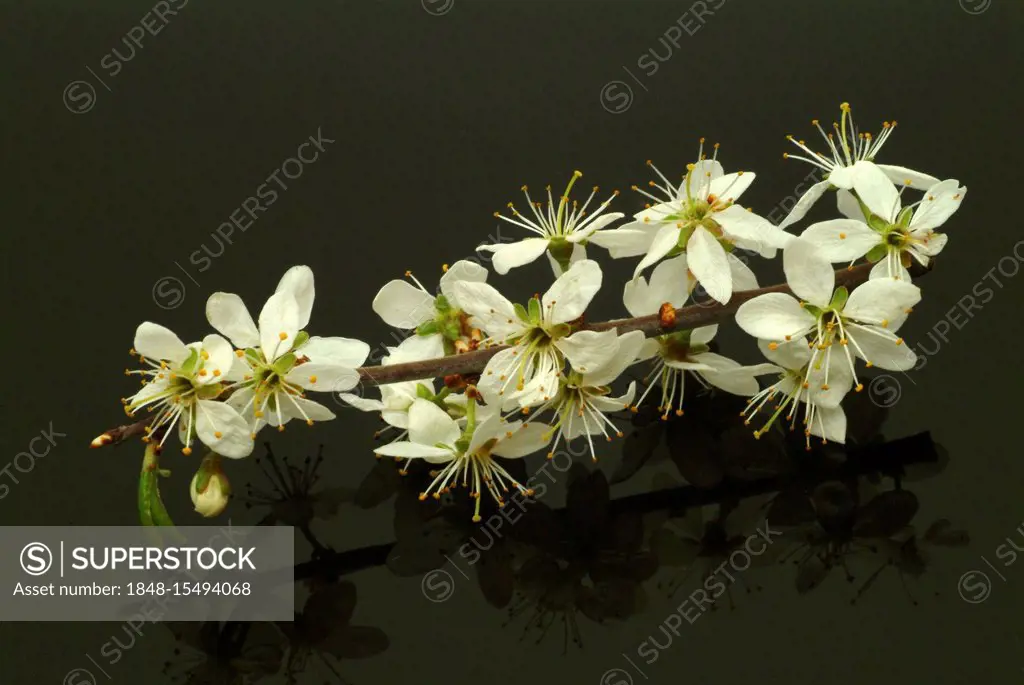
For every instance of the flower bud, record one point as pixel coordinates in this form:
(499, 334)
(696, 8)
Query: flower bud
(210, 489)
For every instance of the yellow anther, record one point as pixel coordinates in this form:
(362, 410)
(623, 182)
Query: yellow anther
(282, 335)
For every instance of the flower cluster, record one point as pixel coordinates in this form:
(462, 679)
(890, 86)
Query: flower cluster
(549, 375)
(223, 393)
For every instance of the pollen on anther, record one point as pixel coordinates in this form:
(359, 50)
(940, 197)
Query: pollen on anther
(186, 451)
(312, 379)
(239, 353)
(218, 435)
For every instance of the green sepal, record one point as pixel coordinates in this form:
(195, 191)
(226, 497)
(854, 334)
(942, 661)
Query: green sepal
(452, 330)
(878, 223)
(904, 217)
(559, 331)
(876, 253)
(423, 392)
(535, 311)
(428, 328)
(462, 444)
(283, 364)
(301, 338)
(209, 391)
(681, 338)
(442, 305)
(191, 364)
(812, 310)
(839, 298)
(684, 235)
(560, 250)
(521, 312)
(254, 356)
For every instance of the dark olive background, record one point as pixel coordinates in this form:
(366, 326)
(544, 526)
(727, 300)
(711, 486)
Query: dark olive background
(437, 119)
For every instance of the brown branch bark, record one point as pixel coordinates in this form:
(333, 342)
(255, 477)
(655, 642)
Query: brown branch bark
(702, 313)
(115, 436)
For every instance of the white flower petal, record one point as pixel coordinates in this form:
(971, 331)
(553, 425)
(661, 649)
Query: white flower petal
(881, 299)
(848, 206)
(403, 305)
(703, 335)
(731, 186)
(462, 270)
(411, 450)
(808, 273)
(900, 175)
(508, 256)
(881, 351)
(361, 403)
(671, 282)
(876, 190)
(804, 204)
(279, 322)
(589, 350)
(830, 424)
(631, 240)
(752, 232)
(490, 309)
(416, 348)
(323, 377)
(841, 240)
(664, 240)
(298, 281)
(301, 408)
(431, 425)
(742, 277)
(220, 359)
(937, 205)
(773, 316)
(727, 374)
(881, 269)
(228, 314)
(700, 178)
(153, 341)
(595, 225)
(222, 429)
(336, 350)
(793, 355)
(707, 260)
(627, 348)
(524, 440)
(930, 244)
(569, 296)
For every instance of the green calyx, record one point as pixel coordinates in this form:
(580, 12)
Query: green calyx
(839, 298)
(447, 321)
(877, 253)
(560, 250)
(677, 346)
